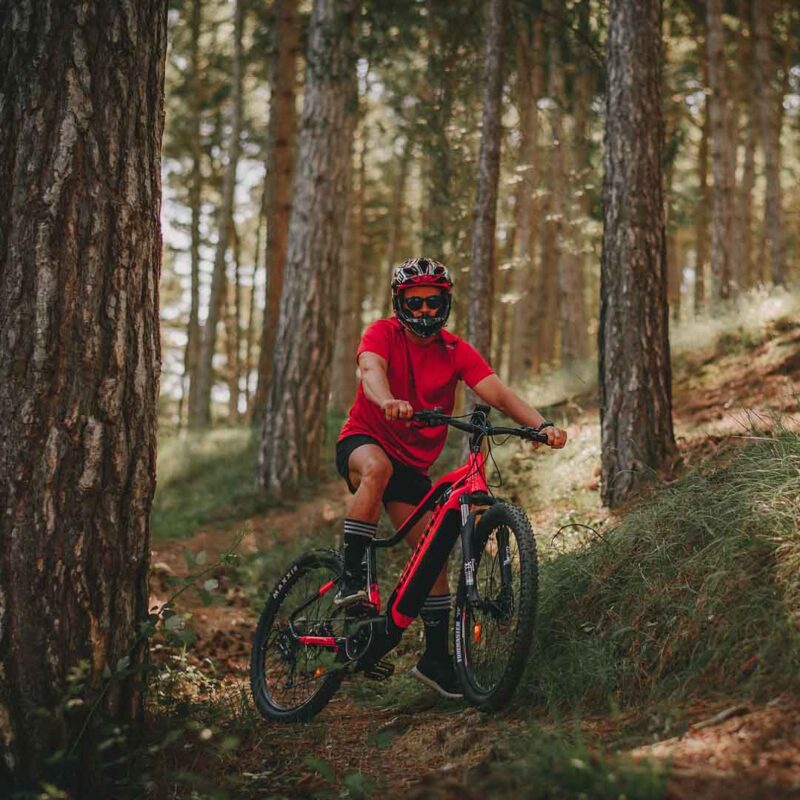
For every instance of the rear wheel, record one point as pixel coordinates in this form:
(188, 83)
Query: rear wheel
(292, 682)
(492, 642)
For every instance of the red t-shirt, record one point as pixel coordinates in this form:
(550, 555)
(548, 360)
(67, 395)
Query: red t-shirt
(423, 374)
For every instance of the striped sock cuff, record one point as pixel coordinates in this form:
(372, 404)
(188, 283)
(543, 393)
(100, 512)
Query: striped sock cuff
(439, 602)
(356, 529)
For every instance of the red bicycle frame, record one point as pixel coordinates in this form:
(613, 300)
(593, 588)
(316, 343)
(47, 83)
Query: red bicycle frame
(449, 499)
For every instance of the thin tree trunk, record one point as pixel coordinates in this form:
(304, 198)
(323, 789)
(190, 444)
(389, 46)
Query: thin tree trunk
(769, 101)
(192, 353)
(723, 176)
(200, 411)
(280, 170)
(701, 209)
(251, 308)
(634, 374)
(524, 330)
(573, 323)
(548, 295)
(438, 101)
(484, 218)
(80, 147)
(232, 328)
(348, 332)
(398, 213)
(294, 423)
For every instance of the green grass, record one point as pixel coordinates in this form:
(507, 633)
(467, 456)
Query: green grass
(696, 589)
(208, 479)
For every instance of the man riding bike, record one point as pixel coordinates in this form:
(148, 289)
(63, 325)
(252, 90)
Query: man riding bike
(409, 363)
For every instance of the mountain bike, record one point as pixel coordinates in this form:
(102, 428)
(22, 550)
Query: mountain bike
(304, 645)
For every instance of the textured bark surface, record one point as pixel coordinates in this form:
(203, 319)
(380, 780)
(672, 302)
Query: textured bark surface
(351, 295)
(81, 119)
(280, 171)
(769, 100)
(635, 382)
(484, 216)
(746, 92)
(723, 155)
(523, 328)
(294, 423)
(200, 393)
(569, 277)
(701, 210)
(192, 354)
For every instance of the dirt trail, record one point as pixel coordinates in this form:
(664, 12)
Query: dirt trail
(752, 752)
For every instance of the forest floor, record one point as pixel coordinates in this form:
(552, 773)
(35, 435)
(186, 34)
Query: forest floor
(399, 739)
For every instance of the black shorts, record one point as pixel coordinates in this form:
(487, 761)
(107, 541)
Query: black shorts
(406, 484)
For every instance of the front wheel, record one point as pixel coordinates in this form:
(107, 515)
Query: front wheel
(492, 642)
(291, 681)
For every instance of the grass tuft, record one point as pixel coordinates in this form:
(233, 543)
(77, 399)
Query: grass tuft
(696, 589)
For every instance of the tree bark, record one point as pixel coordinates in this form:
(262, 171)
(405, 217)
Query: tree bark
(484, 217)
(251, 307)
(233, 316)
(701, 209)
(81, 121)
(523, 330)
(280, 170)
(294, 423)
(200, 400)
(769, 101)
(351, 295)
(634, 375)
(569, 279)
(195, 201)
(398, 213)
(722, 152)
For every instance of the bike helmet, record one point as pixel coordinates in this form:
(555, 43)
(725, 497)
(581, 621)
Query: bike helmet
(421, 272)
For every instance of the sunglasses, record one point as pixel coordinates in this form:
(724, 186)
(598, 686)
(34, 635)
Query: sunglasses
(434, 301)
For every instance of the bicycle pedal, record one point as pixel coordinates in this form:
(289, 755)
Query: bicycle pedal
(380, 671)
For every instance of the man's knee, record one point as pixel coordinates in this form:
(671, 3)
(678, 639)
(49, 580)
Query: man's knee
(374, 474)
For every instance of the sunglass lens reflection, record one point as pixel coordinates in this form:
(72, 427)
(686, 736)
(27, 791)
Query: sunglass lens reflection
(415, 303)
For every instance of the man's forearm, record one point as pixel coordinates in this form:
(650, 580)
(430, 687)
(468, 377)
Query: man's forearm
(376, 385)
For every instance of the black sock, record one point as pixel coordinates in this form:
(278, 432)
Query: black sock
(435, 615)
(357, 535)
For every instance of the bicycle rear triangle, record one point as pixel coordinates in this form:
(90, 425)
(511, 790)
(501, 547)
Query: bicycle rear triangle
(305, 645)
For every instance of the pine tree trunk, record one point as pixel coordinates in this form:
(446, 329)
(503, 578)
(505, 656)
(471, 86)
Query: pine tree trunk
(232, 328)
(484, 217)
(81, 120)
(634, 375)
(701, 209)
(569, 279)
(438, 170)
(200, 405)
(251, 309)
(351, 297)
(524, 325)
(398, 212)
(280, 171)
(721, 151)
(770, 100)
(294, 423)
(195, 201)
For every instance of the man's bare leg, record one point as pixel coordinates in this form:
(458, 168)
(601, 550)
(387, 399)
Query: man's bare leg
(370, 470)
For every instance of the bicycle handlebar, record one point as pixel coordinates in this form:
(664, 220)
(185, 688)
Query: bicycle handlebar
(434, 418)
